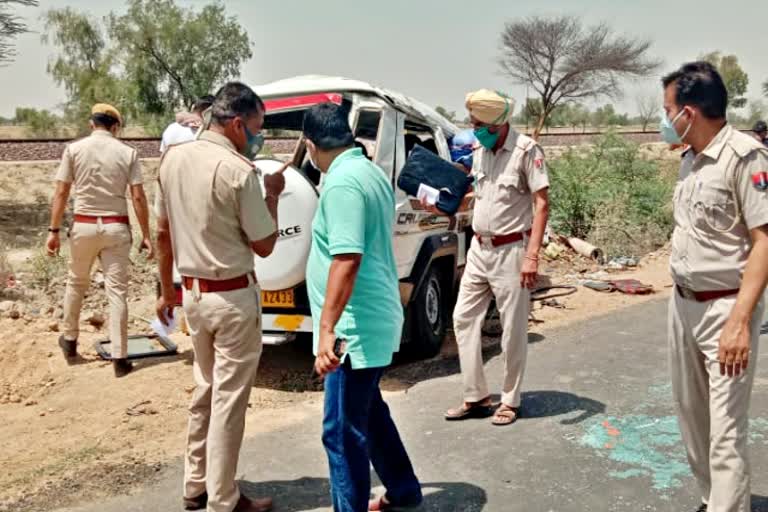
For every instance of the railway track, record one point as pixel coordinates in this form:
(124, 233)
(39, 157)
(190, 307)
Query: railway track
(149, 147)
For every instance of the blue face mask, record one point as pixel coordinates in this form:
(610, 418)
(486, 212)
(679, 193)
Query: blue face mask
(253, 143)
(667, 128)
(487, 139)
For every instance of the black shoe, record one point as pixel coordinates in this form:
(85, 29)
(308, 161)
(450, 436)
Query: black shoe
(198, 503)
(68, 347)
(122, 367)
(702, 508)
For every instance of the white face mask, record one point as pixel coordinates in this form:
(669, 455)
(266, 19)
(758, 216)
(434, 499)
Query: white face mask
(312, 160)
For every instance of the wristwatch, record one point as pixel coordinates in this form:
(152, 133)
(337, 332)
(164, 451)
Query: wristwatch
(54, 230)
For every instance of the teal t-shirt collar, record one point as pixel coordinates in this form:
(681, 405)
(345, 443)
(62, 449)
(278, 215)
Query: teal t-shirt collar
(347, 155)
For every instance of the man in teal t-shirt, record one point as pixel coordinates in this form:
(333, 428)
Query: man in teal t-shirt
(354, 295)
(354, 217)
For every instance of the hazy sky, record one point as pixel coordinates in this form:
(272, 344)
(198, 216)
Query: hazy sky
(434, 51)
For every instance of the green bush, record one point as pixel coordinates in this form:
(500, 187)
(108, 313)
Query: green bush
(46, 269)
(39, 123)
(611, 196)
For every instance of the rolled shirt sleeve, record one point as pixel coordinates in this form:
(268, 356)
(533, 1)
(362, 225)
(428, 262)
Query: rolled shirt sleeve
(161, 212)
(255, 220)
(754, 201)
(66, 171)
(134, 174)
(536, 170)
(345, 218)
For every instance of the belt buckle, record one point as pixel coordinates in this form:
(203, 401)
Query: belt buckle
(687, 293)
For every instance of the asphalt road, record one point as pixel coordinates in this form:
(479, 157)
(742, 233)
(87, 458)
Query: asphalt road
(598, 433)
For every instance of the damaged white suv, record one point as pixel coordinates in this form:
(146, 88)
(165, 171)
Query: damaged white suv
(430, 251)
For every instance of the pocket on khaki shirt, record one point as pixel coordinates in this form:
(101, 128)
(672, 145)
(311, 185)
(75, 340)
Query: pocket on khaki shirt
(714, 208)
(509, 186)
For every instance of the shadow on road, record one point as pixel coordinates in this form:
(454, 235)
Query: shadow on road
(404, 373)
(544, 404)
(315, 493)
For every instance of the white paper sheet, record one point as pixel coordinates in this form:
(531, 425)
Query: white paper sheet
(425, 192)
(162, 330)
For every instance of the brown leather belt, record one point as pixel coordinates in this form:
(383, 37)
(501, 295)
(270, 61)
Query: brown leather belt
(499, 240)
(225, 285)
(114, 219)
(689, 294)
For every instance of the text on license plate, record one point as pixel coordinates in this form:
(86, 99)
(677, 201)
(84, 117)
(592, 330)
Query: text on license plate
(277, 299)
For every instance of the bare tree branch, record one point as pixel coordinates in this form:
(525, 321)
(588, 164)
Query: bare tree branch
(648, 108)
(11, 26)
(562, 60)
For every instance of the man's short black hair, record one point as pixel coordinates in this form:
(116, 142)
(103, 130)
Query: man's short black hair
(760, 127)
(203, 102)
(236, 100)
(698, 84)
(327, 126)
(104, 121)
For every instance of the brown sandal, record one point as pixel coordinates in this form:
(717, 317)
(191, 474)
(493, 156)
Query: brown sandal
(475, 410)
(505, 415)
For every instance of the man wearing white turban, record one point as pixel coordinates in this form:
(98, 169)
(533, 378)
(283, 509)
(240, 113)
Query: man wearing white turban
(510, 215)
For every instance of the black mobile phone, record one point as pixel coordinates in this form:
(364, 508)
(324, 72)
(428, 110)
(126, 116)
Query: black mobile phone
(339, 347)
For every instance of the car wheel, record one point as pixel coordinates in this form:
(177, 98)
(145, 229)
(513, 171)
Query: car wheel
(428, 316)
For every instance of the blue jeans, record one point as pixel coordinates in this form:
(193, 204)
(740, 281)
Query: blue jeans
(357, 432)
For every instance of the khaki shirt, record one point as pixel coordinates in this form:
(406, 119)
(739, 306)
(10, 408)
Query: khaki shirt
(505, 183)
(713, 186)
(213, 201)
(101, 168)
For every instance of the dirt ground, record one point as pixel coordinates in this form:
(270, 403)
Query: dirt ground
(73, 432)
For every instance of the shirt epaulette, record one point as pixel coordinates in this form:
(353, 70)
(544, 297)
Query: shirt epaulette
(244, 159)
(525, 142)
(743, 145)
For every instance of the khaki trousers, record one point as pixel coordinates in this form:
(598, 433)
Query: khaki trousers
(712, 409)
(492, 272)
(226, 338)
(111, 243)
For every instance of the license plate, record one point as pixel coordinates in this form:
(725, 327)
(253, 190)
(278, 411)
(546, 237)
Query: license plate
(277, 299)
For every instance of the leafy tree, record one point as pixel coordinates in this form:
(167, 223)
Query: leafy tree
(735, 78)
(765, 88)
(84, 65)
(449, 115)
(756, 111)
(148, 61)
(562, 60)
(10, 27)
(38, 122)
(174, 55)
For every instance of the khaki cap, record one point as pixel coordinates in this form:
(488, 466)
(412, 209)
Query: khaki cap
(107, 110)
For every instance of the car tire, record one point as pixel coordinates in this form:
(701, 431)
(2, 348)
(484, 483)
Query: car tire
(428, 316)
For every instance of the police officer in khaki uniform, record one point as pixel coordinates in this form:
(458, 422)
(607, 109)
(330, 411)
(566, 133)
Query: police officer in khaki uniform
(101, 169)
(719, 250)
(212, 218)
(510, 215)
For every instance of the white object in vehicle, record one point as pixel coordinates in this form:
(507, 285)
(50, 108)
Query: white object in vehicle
(286, 266)
(430, 194)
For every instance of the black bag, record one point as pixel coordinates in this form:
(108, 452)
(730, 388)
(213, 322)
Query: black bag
(423, 166)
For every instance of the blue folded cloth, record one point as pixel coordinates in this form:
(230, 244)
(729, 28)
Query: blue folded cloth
(425, 167)
(461, 146)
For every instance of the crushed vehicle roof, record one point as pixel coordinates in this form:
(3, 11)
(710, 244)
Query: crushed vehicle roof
(318, 83)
